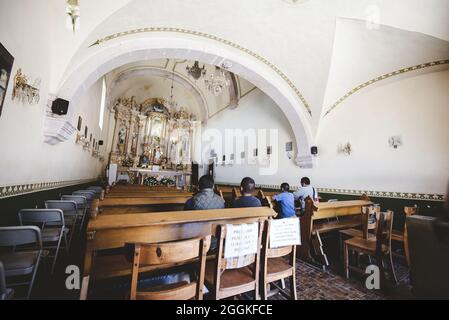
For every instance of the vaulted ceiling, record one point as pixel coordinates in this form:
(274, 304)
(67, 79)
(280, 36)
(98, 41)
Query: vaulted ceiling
(154, 78)
(318, 51)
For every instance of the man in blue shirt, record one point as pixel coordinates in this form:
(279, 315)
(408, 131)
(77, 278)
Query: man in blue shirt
(247, 187)
(305, 191)
(286, 202)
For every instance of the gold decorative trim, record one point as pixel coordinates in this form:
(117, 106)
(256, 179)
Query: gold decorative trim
(383, 77)
(16, 190)
(210, 37)
(355, 192)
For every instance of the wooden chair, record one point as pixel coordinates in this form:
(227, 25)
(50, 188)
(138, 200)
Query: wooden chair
(230, 277)
(274, 266)
(266, 201)
(379, 249)
(236, 193)
(367, 225)
(403, 236)
(177, 252)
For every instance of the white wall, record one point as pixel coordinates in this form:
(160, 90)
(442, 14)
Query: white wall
(255, 111)
(416, 108)
(25, 158)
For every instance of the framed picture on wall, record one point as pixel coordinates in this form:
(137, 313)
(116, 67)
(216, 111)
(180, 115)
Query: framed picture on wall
(6, 62)
(80, 122)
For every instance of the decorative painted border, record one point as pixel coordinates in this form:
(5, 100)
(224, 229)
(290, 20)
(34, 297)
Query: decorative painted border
(210, 37)
(383, 77)
(16, 190)
(375, 194)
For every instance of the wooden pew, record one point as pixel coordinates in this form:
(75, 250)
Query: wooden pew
(315, 222)
(113, 231)
(147, 194)
(132, 204)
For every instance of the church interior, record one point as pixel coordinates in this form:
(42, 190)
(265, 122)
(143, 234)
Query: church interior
(224, 150)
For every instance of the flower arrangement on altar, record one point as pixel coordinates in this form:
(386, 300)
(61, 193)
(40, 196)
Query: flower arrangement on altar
(158, 181)
(128, 162)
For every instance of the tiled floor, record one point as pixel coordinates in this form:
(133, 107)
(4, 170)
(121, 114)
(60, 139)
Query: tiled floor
(315, 284)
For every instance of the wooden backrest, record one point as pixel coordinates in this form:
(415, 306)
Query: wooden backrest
(223, 264)
(266, 201)
(369, 219)
(409, 211)
(384, 230)
(236, 193)
(144, 254)
(220, 193)
(268, 252)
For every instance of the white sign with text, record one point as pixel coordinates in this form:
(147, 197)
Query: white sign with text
(284, 232)
(241, 240)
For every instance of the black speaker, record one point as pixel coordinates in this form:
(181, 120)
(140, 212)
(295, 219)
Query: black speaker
(314, 150)
(60, 106)
(195, 173)
(100, 143)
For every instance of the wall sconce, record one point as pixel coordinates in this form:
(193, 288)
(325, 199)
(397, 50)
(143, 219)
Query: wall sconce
(345, 149)
(86, 145)
(23, 90)
(80, 139)
(395, 141)
(73, 15)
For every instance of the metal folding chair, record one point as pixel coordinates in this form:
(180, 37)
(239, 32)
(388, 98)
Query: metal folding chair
(5, 293)
(71, 214)
(81, 204)
(24, 254)
(52, 225)
(89, 194)
(97, 189)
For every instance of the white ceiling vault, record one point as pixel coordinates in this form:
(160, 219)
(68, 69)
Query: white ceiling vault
(153, 78)
(308, 56)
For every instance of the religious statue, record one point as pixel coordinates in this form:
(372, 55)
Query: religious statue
(164, 163)
(122, 136)
(157, 155)
(144, 160)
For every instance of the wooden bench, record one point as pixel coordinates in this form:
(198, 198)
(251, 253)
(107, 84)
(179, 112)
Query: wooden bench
(147, 194)
(134, 204)
(315, 222)
(113, 231)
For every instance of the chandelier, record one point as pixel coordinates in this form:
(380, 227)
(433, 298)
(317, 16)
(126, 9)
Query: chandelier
(73, 14)
(217, 82)
(171, 103)
(195, 71)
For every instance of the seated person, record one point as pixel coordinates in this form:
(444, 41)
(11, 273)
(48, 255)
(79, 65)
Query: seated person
(206, 198)
(247, 186)
(286, 202)
(305, 191)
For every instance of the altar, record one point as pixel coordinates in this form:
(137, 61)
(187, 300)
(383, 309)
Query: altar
(179, 178)
(153, 144)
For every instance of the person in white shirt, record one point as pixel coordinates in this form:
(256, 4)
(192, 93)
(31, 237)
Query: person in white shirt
(306, 190)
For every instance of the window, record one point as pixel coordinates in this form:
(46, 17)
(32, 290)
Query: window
(103, 103)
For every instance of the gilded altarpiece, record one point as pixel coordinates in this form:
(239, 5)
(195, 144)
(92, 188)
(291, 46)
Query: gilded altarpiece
(148, 135)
